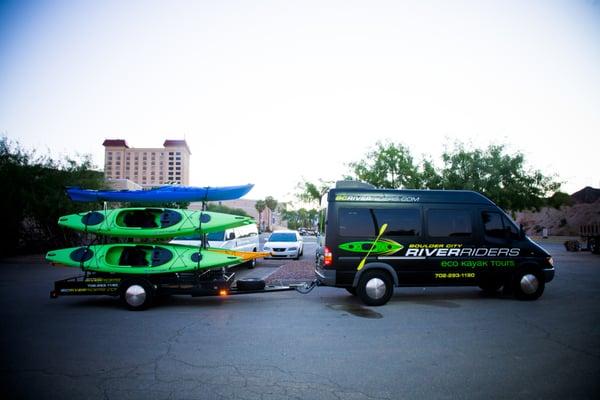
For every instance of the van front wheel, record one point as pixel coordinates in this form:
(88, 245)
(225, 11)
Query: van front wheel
(375, 288)
(528, 284)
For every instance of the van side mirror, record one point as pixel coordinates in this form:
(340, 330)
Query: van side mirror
(521, 231)
(231, 236)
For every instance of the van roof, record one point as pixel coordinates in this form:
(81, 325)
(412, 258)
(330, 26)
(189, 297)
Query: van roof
(407, 196)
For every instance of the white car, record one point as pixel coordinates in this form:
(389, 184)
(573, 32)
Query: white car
(285, 244)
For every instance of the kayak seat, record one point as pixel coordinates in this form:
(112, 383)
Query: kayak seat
(139, 219)
(134, 256)
(169, 218)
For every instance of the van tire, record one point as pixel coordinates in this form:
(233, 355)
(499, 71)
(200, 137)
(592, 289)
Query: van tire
(136, 294)
(528, 284)
(375, 287)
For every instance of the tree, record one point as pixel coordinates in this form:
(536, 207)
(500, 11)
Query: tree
(491, 171)
(389, 166)
(312, 192)
(271, 204)
(260, 206)
(33, 197)
(501, 177)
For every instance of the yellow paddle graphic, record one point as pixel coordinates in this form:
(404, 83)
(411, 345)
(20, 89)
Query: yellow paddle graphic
(362, 263)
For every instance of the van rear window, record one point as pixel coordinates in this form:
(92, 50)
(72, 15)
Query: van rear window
(449, 223)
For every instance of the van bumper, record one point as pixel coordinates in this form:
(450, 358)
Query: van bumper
(548, 274)
(325, 276)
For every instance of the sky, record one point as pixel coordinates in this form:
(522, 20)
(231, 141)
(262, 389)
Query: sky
(275, 92)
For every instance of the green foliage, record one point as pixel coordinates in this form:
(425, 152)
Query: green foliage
(226, 210)
(301, 218)
(389, 165)
(33, 197)
(491, 171)
(271, 203)
(310, 192)
(500, 176)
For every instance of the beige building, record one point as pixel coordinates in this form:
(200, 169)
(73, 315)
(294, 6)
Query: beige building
(147, 166)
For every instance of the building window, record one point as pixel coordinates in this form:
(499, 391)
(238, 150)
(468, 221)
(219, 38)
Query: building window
(178, 168)
(178, 153)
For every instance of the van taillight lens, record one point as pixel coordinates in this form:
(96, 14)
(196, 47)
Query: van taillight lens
(327, 257)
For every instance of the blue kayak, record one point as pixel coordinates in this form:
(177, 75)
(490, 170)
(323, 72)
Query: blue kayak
(161, 194)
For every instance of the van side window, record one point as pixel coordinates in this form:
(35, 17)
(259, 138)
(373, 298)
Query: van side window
(492, 224)
(356, 222)
(510, 226)
(449, 223)
(401, 221)
(498, 226)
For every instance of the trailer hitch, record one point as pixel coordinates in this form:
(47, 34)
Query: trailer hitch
(305, 287)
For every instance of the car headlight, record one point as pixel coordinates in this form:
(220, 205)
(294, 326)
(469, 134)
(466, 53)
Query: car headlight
(267, 248)
(293, 248)
(551, 261)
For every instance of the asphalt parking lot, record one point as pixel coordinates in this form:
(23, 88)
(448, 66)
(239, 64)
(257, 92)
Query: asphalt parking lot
(426, 343)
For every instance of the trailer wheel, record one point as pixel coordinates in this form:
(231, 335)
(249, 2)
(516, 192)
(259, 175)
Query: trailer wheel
(375, 287)
(252, 263)
(528, 284)
(137, 294)
(249, 284)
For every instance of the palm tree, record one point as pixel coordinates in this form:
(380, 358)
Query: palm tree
(260, 206)
(271, 204)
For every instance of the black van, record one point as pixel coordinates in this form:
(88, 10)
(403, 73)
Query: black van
(432, 238)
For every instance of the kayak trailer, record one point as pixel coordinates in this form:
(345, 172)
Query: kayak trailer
(138, 292)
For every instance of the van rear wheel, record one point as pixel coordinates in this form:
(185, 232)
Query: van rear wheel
(528, 284)
(375, 288)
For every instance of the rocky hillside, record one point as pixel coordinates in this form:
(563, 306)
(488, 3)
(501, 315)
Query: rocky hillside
(584, 209)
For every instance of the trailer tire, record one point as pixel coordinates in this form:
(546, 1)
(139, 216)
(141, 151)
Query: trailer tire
(249, 284)
(137, 294)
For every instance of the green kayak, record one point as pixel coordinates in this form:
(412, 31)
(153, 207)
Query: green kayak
(151, 222)
(141, 258)
(381, 247)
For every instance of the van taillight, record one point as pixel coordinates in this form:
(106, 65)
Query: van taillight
(327, 257)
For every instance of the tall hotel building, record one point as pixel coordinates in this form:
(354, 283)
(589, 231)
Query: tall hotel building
(147, 167)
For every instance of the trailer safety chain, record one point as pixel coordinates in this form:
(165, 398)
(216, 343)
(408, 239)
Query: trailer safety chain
(305, 288)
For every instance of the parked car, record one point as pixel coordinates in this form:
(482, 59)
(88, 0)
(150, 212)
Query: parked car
(243, 238)
(285, 244)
